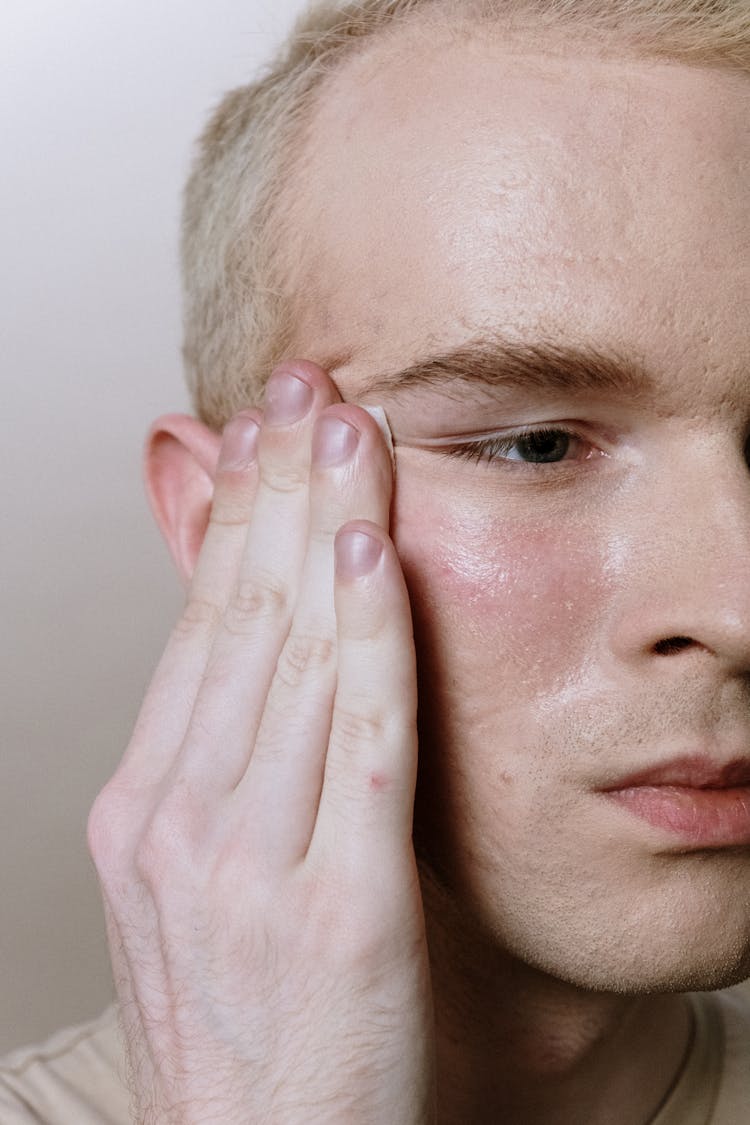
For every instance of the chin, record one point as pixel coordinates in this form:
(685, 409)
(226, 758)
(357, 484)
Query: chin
(679, 970)
(688, 930)
(636, 925)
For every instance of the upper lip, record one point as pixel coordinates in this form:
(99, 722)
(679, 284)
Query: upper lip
(692, 771)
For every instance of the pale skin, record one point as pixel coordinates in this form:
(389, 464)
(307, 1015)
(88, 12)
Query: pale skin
(255, 845)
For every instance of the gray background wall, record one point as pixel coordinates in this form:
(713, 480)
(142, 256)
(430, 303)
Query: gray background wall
(99, 103)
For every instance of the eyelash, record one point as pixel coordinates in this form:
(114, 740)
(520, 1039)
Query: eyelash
(492, 450)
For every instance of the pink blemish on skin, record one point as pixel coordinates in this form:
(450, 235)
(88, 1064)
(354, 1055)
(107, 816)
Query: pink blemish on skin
(379, 782)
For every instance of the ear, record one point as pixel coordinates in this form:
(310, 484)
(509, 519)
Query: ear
(179, 465)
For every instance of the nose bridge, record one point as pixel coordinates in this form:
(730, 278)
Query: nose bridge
(705, 509)
(689, 574)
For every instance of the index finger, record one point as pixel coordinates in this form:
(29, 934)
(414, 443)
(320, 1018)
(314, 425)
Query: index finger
(371, 764)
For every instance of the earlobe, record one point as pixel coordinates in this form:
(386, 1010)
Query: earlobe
(179, 462)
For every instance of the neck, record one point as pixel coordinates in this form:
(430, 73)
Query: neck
(518, 1046)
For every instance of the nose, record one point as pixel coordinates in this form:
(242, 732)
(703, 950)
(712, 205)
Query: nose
(684, 565)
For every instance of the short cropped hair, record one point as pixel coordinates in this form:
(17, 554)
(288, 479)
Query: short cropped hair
(237, 272)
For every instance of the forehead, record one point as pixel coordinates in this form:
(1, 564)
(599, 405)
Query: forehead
(453, 185)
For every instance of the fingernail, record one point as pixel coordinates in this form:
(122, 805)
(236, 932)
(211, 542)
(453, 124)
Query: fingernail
(334, 441)
(356, 554)
(378, 415)
(239, 443)
(287, 399)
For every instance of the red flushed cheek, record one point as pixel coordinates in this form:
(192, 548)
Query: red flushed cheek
(505, 598)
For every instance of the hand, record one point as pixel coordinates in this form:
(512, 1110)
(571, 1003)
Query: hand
(254, 846)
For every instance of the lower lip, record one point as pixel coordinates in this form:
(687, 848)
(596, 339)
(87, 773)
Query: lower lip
(708, 818)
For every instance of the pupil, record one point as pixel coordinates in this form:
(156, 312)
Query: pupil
(545, 447)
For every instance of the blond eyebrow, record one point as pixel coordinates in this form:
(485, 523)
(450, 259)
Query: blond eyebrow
(540, 366)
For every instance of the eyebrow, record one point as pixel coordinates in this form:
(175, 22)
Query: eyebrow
(539, 366)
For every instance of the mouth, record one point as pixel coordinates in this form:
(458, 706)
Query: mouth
(701, 802)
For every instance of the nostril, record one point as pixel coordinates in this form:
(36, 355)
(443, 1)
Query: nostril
(672, 644)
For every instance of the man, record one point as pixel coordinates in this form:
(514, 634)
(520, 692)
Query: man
(522, 232)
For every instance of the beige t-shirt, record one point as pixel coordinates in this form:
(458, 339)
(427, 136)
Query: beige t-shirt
(78, 1076)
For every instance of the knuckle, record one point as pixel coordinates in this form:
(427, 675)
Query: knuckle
(361, 728)
(168, 843)
(255, 600)
(98, 834)
(198, 615)
(232, 502)
(302, 655)
(107, 834)
(362, 927)
(324, 536)
(284, 476)
(148, 857)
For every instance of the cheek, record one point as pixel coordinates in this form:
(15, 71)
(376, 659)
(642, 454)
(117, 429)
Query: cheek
(509, 598)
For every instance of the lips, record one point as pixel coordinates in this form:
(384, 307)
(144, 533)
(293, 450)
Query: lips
(692, 772)
(703, 803)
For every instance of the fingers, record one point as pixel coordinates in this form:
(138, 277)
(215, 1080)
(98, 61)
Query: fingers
(258, 614)
(256, 700)
(234, 489)
(167, 707)
(351, 477)
(367, 802)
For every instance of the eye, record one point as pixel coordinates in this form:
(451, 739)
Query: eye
(542, 447)
(533, 448)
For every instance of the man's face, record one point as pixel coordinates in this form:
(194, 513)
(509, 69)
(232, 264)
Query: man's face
(457, 191)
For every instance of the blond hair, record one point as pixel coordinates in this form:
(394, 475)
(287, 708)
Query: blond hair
(238, 282)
